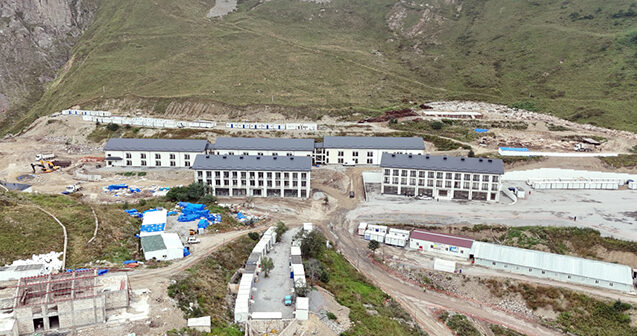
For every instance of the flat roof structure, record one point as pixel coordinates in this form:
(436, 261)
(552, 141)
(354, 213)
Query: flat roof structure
(552, 262)
(156, 145)
(252, 163)
(442, 238)
(266, 144)
(443, 163)
(153, 243)
(364, 142)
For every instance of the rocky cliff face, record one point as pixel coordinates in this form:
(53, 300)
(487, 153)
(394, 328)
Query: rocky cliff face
(36, 37)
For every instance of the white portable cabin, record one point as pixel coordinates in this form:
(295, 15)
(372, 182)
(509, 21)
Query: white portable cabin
(444, 265)
(261, 247)
(266, 316)
(397, 237)
(361, 229)
(241, 308)
(298, 275)
(295, 250)
(307, 227)
(632, 185)
(302, 308)
(376, 232)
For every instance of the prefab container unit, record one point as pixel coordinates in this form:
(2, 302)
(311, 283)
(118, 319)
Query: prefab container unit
(261, 247)
(361, 229)
(295, 250)
(397, 237)
(253, 264)
(87, 118)
(302, 308)
(632, 185)
(554, 266)
(307, 227)
(376, 232)
(441, 243)
(444, 265)
(298, 275)
(264, 316)
(241, 309)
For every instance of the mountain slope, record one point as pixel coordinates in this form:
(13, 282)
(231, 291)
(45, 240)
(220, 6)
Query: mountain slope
(574, 59)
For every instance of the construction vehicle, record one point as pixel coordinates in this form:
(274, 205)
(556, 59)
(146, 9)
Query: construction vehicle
(46, 166)
(39, 157)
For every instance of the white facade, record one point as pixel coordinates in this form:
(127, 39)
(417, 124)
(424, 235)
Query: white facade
(298, 273)
(242, 183)
(307, 227)
(357, 156)
(444, 185)
(376, 232)
(151, 159)
(263, 152)
(444, 265)
(361, 229)
(397, 237)
(433, 242)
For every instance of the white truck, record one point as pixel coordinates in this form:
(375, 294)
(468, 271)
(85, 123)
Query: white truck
(39, 157)
(71, 188)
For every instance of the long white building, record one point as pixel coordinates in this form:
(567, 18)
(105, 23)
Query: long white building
(172, 153)
(262, 146)
(357, 150)
(441, 177)
(253, 175)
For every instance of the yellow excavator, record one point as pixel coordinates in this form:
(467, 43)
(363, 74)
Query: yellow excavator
(46, 166)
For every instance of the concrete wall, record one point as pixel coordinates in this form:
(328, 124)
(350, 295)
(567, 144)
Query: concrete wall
(180, 160)
(24, 316)
(565, 277)
(117, 299)
(428, 246)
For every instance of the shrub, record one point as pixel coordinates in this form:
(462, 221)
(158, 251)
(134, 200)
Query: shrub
(437, 125)
(524, 105)
(313, 245)
(281, 228)
(253, 235)
(331, 316)
(192, 193)
(112, 127)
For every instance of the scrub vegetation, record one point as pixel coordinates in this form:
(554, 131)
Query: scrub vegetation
(573, 59)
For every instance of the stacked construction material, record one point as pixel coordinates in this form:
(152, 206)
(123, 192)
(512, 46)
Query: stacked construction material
(193, 211)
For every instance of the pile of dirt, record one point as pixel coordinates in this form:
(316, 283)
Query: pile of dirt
(394, 114)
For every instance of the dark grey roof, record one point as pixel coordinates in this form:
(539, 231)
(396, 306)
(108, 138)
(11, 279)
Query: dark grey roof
(442, 163)
(156, 145)
(252, 162)
(364, 142)
(282, 144)
(15, 186)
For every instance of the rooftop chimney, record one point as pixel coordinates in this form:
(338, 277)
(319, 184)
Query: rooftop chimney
(410, 156)
(393, 155)
(291, 157)
(258, 158)
(274, 158)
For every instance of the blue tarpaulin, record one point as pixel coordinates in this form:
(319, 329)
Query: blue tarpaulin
(240, 215)
(102, 271)
(202, 224)
(481, 130)
(172, 213)
(126, 262)
(515, 149)
(186, 252)
(153, 227)
(116, 187)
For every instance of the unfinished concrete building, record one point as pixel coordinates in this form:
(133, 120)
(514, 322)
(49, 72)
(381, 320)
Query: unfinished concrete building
(66, 300)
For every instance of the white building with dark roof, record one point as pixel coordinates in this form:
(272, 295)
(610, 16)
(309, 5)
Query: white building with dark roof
(254, 175)
(441, 177)
(172, 153)
(356, 150)
(262, 146)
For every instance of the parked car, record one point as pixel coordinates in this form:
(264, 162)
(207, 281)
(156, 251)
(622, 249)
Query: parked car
(349, 164)
(193, 240)
(287, 300)
(351, 194)
(423, 197)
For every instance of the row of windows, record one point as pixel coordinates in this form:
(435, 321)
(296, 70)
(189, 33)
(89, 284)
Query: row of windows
(440, 183)
(354, 153)
(254, 183)
(157, 163)
(440, 175)
(244, 175)
(355, 160)
(158, 156)
(258, 154)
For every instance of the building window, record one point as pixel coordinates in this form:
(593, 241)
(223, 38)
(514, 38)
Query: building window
(370, 161)
(485, 178)
(143, 162)
(158, 163)
(439, 184)
(457, 176)
(493, 263)
(421, 174)
(172, 156)
(386, 179)
(129, 162)
(448, 176)
(187, 163)
(430, 183)
(430, 175)
(208, 174)
(199, 173)
(340, 153)
(370, 154)
(355, 161)
(467, 177)
(340, 160)
(355, 153)
(172, 163)
(611, 284)
(269, 175)
(447, 184)
(495, 179)
(403, 180)
(394, 180)
(303, 175)
(260, 153)
(412, 173)
(543, 272)
(158, 156)
(387, 172)
(476, 178)
(439, 175)
(395, 172)
(246, 153)
(128, 155)
(303, 183)
(485, 186)
(403, 173)
(596, 281)
(142, 155)
(186, 156)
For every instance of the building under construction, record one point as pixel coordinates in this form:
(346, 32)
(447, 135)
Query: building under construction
(65, 300)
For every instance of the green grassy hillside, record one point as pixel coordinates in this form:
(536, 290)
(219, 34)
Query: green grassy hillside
(574, 59)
